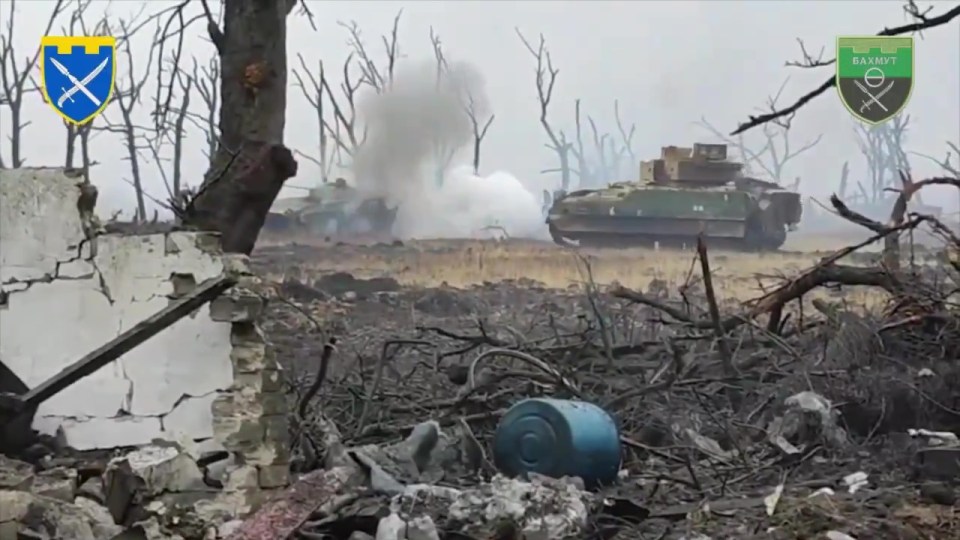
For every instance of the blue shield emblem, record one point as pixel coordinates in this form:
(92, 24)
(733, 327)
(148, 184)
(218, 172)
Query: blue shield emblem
(77, 75)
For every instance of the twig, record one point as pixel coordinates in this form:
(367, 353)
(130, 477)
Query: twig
(728, 368)
(328, 348)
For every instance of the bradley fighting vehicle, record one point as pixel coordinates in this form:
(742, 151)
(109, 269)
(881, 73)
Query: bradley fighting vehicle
(688, 191)
(333, 207)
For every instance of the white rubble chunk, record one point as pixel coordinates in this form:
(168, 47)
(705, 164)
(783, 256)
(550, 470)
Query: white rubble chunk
(163, 469)
(102, 521)
(936, 438)
(63, 520)
(226, 529)
(855, 481)
(391, 528)
(556, 506)
(422, 528)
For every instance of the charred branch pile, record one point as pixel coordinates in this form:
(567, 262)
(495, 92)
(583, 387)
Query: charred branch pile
(717, 400)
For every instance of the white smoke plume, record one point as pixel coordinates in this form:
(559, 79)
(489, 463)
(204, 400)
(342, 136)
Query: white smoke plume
(469, 206)
(411, 128)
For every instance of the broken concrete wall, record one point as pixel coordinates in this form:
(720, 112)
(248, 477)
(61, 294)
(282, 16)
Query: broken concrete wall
(67, 289)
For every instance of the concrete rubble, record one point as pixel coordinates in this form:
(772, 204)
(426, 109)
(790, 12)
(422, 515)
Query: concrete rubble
(156, 492)
(151, 447)
(177, 437)
(188, 436)
(808, 417)
(543, 508)
(399, 481)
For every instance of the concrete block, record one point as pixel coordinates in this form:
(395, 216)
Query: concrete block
(233, 308)
(86, 288)
(159, 469)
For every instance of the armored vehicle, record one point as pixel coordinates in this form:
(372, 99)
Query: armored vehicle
(334, 207)
(686, 192)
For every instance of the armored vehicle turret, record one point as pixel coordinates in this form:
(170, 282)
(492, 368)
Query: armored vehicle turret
(682, 194)
(332, 207)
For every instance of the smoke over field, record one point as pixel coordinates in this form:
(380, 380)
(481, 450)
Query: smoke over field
(417, 135)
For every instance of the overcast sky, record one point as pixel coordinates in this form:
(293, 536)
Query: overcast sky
(669, 63)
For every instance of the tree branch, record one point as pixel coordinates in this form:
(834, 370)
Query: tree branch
(923, 22)
(546, 78)
(13, 79)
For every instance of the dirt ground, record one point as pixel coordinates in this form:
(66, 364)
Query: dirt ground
(411, 318)
(463, 263)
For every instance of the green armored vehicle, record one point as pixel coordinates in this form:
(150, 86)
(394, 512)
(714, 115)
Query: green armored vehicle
(688, 191)
(331, 208)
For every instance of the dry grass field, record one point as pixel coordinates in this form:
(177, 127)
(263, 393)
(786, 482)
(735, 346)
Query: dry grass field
(462, 263)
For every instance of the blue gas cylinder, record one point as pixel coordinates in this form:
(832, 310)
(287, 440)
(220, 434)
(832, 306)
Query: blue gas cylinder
(558, 437)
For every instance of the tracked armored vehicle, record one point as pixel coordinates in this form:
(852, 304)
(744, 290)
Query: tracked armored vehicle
(686, 192)
(331, 208)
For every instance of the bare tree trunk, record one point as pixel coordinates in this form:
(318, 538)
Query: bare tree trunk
(251, 163)
(130, 139)
(476, 156)
(178, 134)
(71, 144)
(564, 171)
(85, 150)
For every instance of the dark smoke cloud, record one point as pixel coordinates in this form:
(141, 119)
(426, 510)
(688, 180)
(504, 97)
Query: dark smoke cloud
(407, 123)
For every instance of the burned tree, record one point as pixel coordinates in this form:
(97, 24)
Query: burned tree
(127, 96)
(342, 129)
(444, 91)
(478, 132)
(883, 150)
(172, 134)
(775, 153)
(76, 133)
(584, 172)
(13, 81)
(315, 87)
(946, 164)
(626, 136)
(315, 96)
(591, 171)
(251, 162)
(443, 152)
(165, 146)
(546, 78)
(205, 79)
(607, 161)
(921, 21)
(370, 73)
(602, 163)
(474, 107)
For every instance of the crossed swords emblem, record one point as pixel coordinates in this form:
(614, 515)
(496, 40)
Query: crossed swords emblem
(871, 98)
(79, 85)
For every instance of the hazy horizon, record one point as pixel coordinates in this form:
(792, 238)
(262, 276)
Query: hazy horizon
(668, 64)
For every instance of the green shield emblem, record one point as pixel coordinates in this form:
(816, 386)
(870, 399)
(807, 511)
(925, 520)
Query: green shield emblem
(874, 76)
